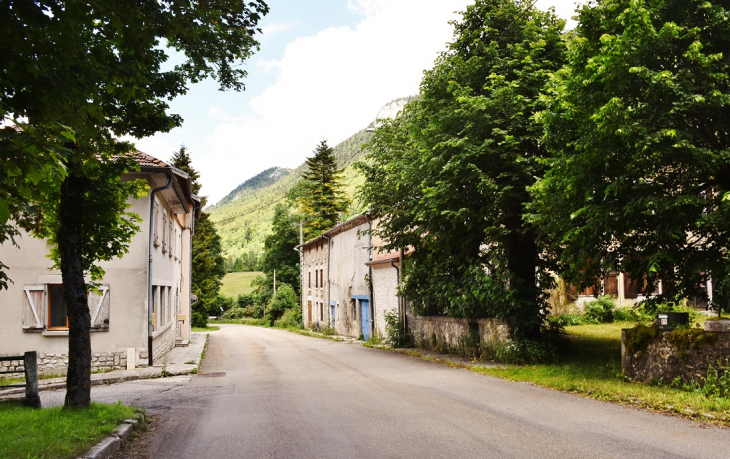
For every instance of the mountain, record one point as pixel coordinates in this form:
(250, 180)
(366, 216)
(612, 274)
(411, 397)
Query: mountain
(243, 217)
(262, 180)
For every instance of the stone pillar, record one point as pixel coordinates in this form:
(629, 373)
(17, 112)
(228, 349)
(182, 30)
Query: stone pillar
(31, 380)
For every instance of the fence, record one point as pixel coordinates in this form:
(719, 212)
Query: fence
(30, 369)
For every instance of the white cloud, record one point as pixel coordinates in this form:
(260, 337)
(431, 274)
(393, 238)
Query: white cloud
(329, 86)
(276, 27)
(267, 65)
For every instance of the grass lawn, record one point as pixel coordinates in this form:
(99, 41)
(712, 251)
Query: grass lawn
(53, 432)
(592, 367)
(234, 284)
(209, 328)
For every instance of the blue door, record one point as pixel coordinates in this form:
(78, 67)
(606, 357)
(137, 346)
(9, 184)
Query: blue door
(332, 314)
(365, 318)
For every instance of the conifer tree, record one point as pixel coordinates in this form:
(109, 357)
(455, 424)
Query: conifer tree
(208, 262)
(181, 160)
(320, 196)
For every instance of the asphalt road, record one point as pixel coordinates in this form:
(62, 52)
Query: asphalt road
(270, 393)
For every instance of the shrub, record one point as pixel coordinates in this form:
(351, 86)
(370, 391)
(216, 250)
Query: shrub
(600, 310)
(715, 385)
(523, 352)
(397, 335)
(290, 318)
(285, 299)
(245, 300)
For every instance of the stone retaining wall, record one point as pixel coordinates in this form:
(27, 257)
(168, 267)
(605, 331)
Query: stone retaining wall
(450, 334)
(649, 354)
(58, 363)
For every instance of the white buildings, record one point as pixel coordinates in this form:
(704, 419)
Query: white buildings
(126, 324)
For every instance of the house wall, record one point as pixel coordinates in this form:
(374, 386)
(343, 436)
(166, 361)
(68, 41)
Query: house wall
(385, 293)
(314, 259)
(127, 281)
(347, 282)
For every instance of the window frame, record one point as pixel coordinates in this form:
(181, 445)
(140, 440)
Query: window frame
(49, 301)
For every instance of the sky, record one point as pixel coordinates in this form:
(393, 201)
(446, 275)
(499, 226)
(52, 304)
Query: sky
(324, 69)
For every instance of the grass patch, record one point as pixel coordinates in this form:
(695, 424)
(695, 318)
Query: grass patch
(234, 284)
(591, 366)
(54, 432)
(208, 328)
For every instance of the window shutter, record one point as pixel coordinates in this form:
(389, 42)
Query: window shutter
(33, 307)
(99, 308)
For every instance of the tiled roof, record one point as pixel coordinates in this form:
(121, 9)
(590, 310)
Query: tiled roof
(146, 160)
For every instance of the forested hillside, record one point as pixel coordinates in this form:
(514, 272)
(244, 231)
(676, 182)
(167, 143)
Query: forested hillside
(243, 217)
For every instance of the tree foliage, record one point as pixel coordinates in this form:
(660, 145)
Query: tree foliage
(208, 268)
(279, 252)
(638, 127)
(76, 74)
(319, 193)
(181, 159)
(450, 176)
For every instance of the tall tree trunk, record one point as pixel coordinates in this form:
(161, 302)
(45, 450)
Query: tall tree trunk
(78, 381)
(522, 262)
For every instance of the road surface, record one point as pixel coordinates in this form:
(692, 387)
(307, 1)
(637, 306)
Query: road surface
(270, 393)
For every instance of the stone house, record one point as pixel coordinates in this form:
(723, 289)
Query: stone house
(343, 285)
(143, 309)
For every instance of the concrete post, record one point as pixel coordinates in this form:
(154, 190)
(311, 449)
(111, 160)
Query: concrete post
(30, 364)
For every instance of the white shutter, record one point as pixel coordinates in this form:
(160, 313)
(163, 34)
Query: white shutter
(99, 308)
(33, 307)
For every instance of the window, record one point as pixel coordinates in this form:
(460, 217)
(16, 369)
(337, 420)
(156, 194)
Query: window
(156, 242)
(57, 317)
(321, 312)
(321, 277)
(170, 238)
(309, 284)
(44, 308)
(164, 228)
(316, 279)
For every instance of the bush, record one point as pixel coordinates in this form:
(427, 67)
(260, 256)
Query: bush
(290, 318)
(285, 299)
(397, 335)
(245, 300)
(523, 352)
(715, 385)
(600, 310)
(214, 307)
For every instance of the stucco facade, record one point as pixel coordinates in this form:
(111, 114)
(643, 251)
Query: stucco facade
(346, 284)
(32, 312)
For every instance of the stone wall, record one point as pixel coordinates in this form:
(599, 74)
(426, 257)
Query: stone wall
(58, 363)
(449, 334)
(650, 354)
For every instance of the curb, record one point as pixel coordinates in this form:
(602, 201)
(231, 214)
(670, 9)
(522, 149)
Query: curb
(111, 444)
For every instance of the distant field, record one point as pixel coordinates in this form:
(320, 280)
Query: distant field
(235, 284)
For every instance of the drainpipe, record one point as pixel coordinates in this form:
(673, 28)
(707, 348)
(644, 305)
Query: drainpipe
(329, 253)
(397, 282)
(402, 300)
(149, 267)
(190, 274)
(370, 273)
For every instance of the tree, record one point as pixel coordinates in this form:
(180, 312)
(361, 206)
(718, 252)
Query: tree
(208, 268)
(285, 298)
(450, 176)
(208, 262)
(279, 253)
(84, 72)
(319, 193)
(638, 129)
(181, 159)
